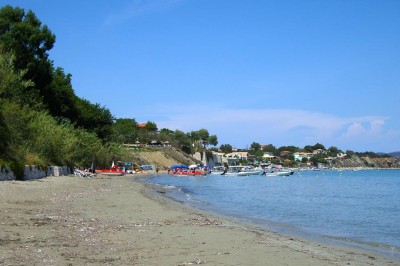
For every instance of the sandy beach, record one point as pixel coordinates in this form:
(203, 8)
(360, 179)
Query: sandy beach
(116, 221)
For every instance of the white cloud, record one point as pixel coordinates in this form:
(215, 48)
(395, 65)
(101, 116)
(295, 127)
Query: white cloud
(372, 128)
(240, 127)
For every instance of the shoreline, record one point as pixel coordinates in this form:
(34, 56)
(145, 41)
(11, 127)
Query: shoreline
(116, 221)
(157, 192)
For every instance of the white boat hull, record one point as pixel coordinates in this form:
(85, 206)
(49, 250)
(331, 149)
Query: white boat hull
(282, 173)
(242, 173)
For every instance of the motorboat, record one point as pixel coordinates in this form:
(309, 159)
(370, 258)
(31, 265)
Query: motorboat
(278, 173)
(217, 170)
(277, 170)
(240, 170)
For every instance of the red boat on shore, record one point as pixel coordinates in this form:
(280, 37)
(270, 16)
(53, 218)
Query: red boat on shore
(115, 170)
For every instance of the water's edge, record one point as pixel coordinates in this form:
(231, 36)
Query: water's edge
(171, 193)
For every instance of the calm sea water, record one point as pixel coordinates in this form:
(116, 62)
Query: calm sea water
(358, 207)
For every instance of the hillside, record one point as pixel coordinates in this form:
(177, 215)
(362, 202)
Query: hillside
(356, 161)
(162, 157)
(395, 154)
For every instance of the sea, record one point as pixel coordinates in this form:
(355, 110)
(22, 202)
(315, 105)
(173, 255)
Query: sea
(353, 208)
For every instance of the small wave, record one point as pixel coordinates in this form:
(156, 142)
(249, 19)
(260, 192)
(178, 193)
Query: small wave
(388, 250)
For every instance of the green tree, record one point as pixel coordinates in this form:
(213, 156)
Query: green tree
(12, 95)
(63, 98)
(288, 148)
(318, 158)
(258, 153)
(12, 85)
(151, 127)
(4, 135)
(255, 146)
(308, 149)
(24, 36)
(213, 140)
(318, 146)
(94, 118)
(204, 136)
(148, 133)
(226, 148)
(333, 151)
(124, 130)
(166, 134)
(269, 148)
(194, 136)
(182, 141)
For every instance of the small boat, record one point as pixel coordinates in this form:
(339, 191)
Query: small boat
(115, 170)
(189, 172)
(241, 171)
(217, 170)
(184, 170)
(278, 173)
(277, 170)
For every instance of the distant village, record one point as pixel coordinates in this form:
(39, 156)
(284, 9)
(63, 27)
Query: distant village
(238, 156)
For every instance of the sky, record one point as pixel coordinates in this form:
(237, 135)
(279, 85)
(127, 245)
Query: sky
(281, 72)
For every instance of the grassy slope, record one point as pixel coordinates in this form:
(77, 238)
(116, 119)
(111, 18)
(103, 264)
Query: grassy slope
(162, 157)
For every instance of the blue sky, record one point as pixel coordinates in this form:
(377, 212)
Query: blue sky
(280, 72)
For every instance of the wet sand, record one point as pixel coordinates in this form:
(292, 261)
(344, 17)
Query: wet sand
(115, 221)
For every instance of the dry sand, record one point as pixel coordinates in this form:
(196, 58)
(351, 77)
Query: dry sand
(113, 221)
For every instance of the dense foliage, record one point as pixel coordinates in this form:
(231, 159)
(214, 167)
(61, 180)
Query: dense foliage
(24, 45)
(42, 121)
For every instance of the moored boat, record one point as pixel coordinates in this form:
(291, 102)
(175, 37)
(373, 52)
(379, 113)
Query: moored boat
(217, 170)
(277, 170)
(241, 171)
(278, 173)
(115, 170)
(184, 170)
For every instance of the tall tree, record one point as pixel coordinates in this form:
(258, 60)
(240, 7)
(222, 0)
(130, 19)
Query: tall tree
(166, 134)
(269, 148)
(94, 118)
(226, 148)
(183, 141)
(12, 85)
(333, 151)
(151, 127)
(12, 88)
(23, 35)
(255, 146)
(318, 146)
(124, 130)
(308, 148)
(194, 136)
(213, 140)
(63, 98)
(5, 134)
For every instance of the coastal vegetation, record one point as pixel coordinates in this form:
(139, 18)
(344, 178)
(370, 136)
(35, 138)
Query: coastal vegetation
(43, 122)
